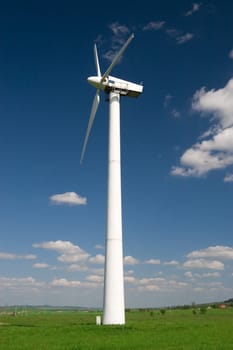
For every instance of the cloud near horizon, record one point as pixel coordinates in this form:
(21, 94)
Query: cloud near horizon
(203, 264)
(202, 268)
(202, 259)
(70, 253)
(221, 252)
(130, 260)
(98, 259)
(41, 266)
(20, 283)
(11, 256)
(153, 262)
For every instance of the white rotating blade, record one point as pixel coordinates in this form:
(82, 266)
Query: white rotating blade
(95, 105)
(117, 57)
(97, 61)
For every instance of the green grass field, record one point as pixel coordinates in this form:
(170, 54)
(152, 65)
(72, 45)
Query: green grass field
(76, 330)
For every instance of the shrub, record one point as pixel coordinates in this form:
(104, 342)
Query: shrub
(203, 310)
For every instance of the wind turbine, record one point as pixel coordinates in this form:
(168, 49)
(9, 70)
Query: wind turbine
(114, 304)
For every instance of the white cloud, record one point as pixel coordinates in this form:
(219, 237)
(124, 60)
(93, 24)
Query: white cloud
(99, 39)
(120, 32)
(172, 32)
(109, 55)
(153, 262)
(231, 54)
(95, 278)
(200, 265)
(130, 279)
(129, 273)
(178, 171)
(77, 267)
(69, 198)
(179, 37)
(28, 256)
(203, 264)
(171, 263)
(218, 102)
(130, 260)
(222, 142)
(41, 266)
(216, 153)
(210, 287)
(167, 100)
(11, 256)
(72, 258)
(70, 253)
(214, 150)
(150, 288)
(99, 246)
(119, 29)
(195, 8)
(176, 284)
(191, 275)
(167, 103)
(98, 271)
(63, 282)
(209, 133)
(175, 113)
(152, 280)
(208, 275)
(160, 284)
(98, 259)
(221, 252)
(228, 178)
(19, 283)
(184, 38)
(154, 25)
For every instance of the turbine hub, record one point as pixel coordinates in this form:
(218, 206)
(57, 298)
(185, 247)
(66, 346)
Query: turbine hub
(94, 81)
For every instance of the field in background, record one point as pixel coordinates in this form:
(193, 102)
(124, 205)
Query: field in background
(76, 330)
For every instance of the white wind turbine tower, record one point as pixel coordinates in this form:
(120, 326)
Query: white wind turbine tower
(114, 305)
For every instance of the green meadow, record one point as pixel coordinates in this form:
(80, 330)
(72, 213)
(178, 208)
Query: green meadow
(76, 330)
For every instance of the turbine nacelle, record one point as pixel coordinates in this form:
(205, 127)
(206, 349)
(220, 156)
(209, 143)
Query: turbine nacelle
(107, 84)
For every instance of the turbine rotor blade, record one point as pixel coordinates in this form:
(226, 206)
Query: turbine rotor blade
(95, 105)
(117, 57)
(97, 61)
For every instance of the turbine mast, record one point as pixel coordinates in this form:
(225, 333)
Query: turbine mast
(114, 305)
(114, 301)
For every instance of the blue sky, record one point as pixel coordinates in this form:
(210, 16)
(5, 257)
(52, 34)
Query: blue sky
(177, 151)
